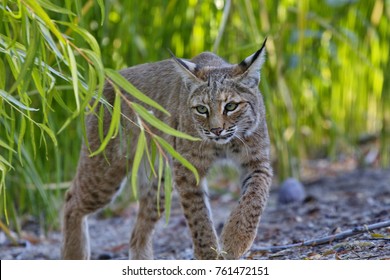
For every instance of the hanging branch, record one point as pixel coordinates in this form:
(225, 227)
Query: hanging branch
(326, 239)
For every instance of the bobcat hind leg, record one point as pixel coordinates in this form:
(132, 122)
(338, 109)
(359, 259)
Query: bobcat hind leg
(95, 184)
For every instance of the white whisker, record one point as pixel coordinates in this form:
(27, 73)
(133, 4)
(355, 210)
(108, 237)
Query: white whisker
(243, 142)
(202, 143)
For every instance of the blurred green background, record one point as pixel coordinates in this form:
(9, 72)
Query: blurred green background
(325, 83)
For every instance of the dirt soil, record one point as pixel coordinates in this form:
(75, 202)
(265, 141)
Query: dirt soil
(333, 204)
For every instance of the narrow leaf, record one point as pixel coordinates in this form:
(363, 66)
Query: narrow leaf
(73, 70)
(151, 164)
(157, 123)
(37, 9)
(10, 99)
(2, 74)
(22, 132)
(49, 132)
(99, 68)
(153, 151)
(3, 164)
(160, 173)
(90, 92)
(102, 10)
(50, 41)
(128, 87)
(114, 125)
(85, 35)
(137, 161)
(178, 157)
(6, 146)
(167, 190)
(28, 60)
(52, 7)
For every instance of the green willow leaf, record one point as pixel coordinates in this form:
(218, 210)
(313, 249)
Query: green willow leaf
(92, 84)
(49, 132)
(153, 151)
(56, 92)
(167, 190)
(99, 68)
(159, 178)
(102, 10)
(92, 81)
(17, 15)
(128, 87)
(47, 5)
(114, 125)
(85, 35)
(37, 9)
(3, 173)
(11, 137)
(137, 161)
(4, 166)
(157, 123)
(2, 74)
(6, 146)
(12, 100)
(177, 156)
(73, 69)
(100, 116)
(37, 77)
(151, 164)
(28, 60)
(49, 41)
(22, 132)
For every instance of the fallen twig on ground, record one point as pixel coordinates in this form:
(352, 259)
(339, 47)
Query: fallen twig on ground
(326, 239)
(8, 233)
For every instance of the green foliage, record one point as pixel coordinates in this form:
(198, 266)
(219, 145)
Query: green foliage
(45, 105)
(324, 82)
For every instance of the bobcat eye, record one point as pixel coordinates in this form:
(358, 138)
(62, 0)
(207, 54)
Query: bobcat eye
(231, 106)
(201, 109)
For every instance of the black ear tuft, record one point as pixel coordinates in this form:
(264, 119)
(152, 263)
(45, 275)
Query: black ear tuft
(249, 68)
(247, 62)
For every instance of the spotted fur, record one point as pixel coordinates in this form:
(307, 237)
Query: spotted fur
(207, 98)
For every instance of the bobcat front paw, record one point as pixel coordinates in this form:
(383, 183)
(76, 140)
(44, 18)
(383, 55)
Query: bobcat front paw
(237, 237)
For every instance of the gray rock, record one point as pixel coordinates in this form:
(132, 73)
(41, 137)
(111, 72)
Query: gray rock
(291, 191)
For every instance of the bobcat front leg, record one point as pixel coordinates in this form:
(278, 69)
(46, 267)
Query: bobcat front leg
(197, 214)
(241, 228)
(141, 243)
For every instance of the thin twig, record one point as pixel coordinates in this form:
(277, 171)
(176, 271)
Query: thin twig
(7, 232)
(326, 239)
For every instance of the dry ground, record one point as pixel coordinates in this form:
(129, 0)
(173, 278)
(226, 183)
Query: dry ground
(333, 204)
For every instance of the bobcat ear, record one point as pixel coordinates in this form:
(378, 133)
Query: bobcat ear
(186, 69)
(249, 68)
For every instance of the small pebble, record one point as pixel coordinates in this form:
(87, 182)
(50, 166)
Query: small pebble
(291, 191)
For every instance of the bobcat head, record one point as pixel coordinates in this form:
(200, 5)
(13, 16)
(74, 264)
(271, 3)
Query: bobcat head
(223, 99)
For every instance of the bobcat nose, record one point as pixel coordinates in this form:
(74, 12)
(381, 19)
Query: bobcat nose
(217, 131)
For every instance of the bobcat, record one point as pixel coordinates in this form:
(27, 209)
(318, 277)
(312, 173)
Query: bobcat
(207, 98)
